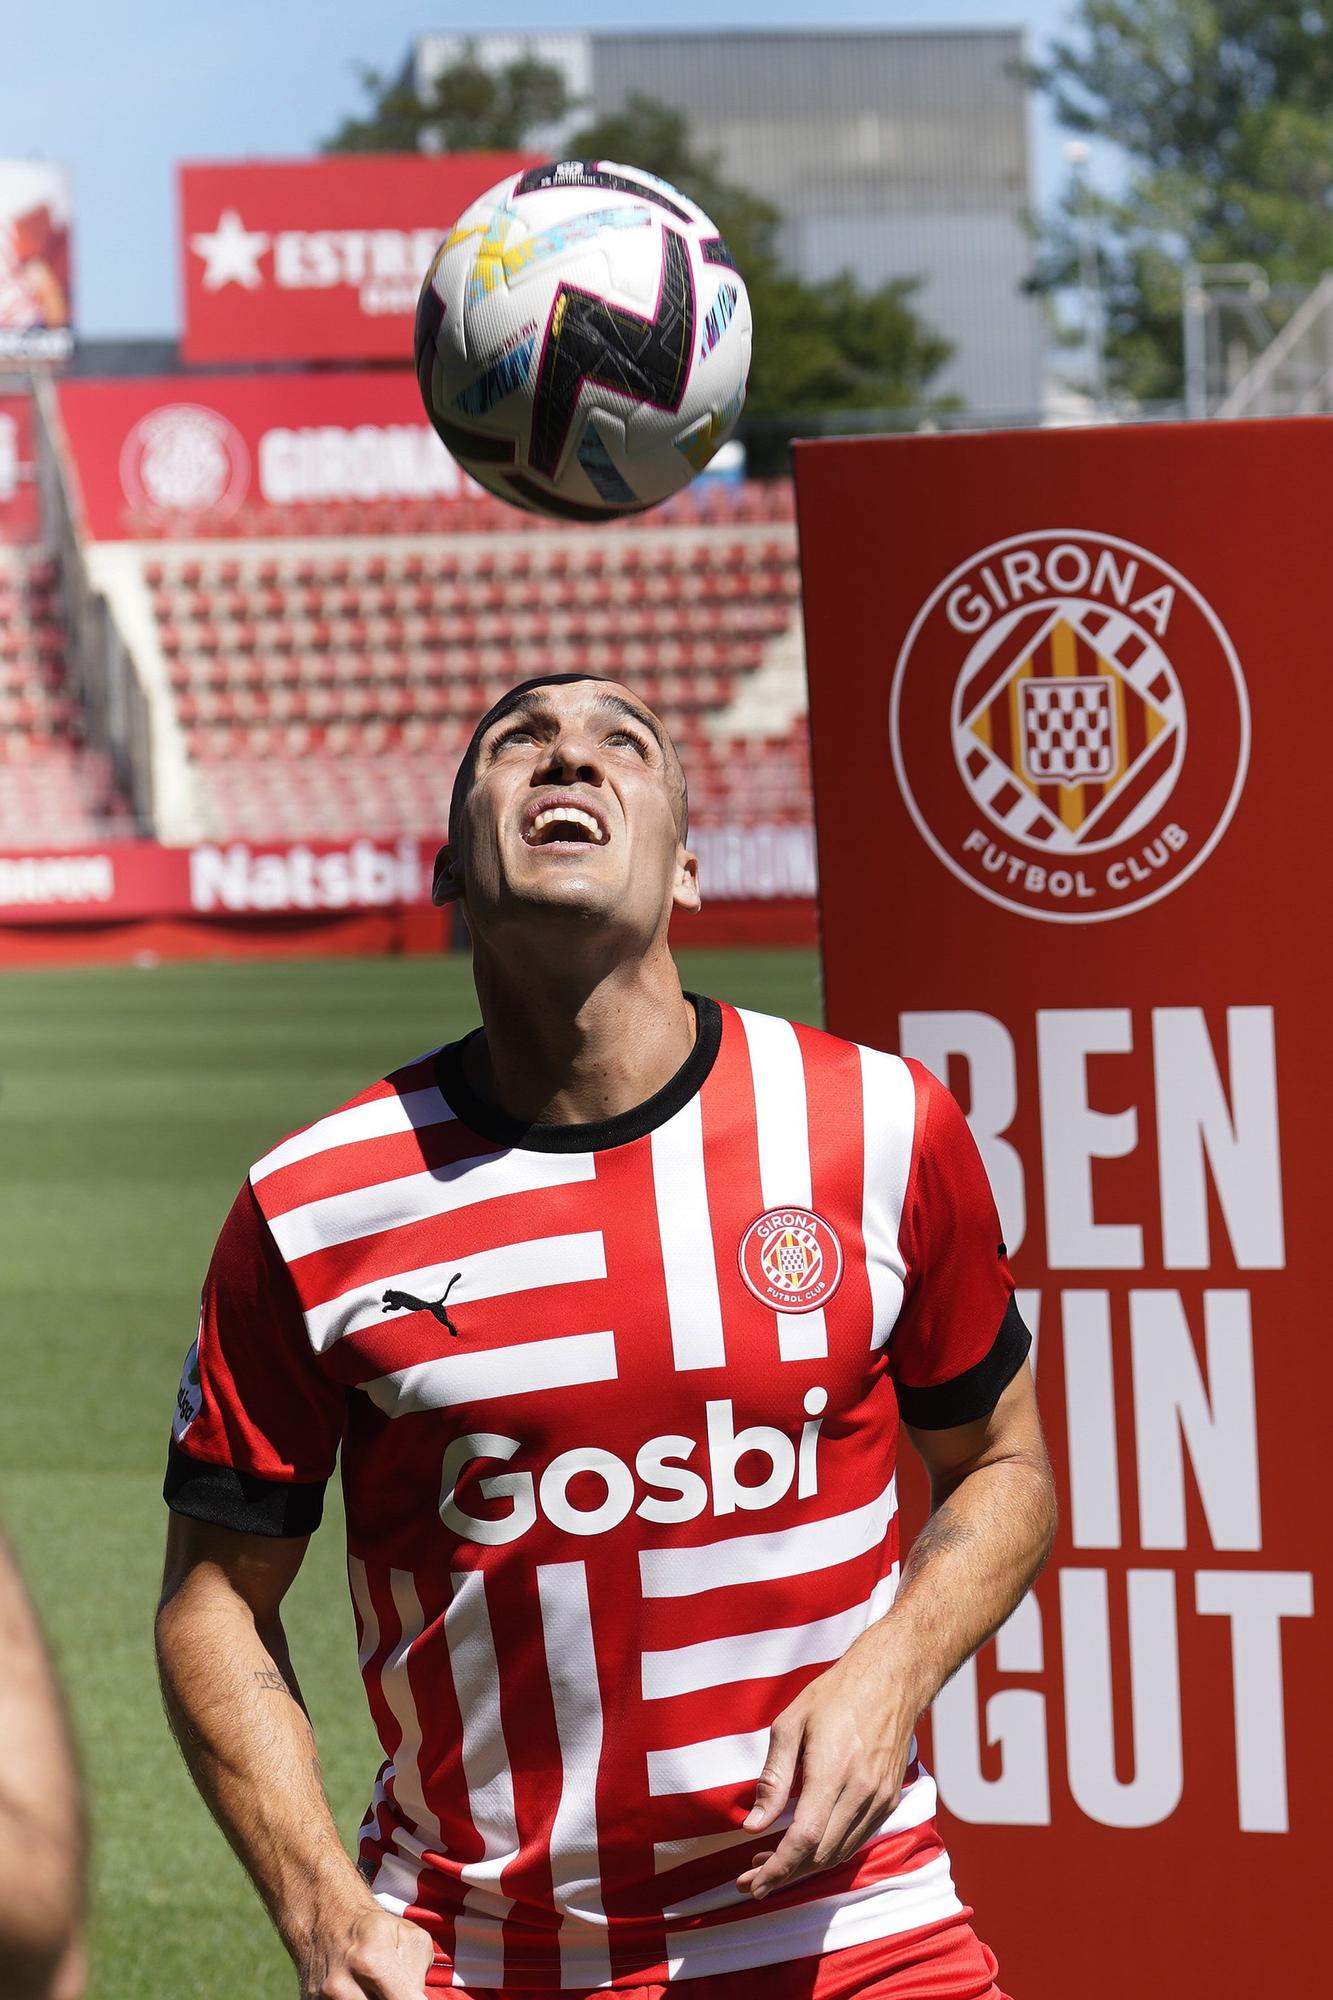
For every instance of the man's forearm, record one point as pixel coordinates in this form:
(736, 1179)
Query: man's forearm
(237, 1714)
(41, 1817)
(980, 1550)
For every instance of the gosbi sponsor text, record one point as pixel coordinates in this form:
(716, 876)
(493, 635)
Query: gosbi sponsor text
(589, 1490)
(1069, 725)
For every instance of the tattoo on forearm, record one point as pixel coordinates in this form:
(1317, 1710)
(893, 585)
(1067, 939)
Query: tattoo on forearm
(943, 1530)
(269, 1677)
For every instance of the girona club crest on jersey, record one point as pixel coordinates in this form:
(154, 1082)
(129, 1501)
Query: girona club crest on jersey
(1069, 725)
(791, 1259)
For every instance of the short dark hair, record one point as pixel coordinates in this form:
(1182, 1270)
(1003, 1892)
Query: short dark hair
(514, 698)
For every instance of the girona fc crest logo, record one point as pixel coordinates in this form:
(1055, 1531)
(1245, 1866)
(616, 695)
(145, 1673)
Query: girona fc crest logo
(791, 1259)
(1070, 726)
(183, 459)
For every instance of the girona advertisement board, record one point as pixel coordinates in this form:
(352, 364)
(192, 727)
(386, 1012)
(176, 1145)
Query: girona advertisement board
(256, 454)
(318, 259)
(1070, 859)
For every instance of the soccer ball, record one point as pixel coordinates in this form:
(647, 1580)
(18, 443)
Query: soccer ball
(583, 340)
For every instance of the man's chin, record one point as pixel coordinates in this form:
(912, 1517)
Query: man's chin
(572, 900)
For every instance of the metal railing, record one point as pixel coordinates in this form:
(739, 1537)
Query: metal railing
(99, 663)
(1294, 374)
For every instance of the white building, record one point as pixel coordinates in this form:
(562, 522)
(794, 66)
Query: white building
(890, 153)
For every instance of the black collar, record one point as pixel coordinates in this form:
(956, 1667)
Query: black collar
(490, 1122)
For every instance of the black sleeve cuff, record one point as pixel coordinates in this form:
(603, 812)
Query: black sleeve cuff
(973, 1394)
(230, 1499)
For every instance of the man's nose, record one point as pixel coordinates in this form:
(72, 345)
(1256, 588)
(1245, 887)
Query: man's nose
(572, 754)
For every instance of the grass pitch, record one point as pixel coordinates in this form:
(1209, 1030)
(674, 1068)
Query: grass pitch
(131, 1104)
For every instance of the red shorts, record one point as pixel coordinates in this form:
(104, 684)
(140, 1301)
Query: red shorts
(948, 1962)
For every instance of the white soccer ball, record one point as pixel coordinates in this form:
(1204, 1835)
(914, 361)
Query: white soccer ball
(583, 340)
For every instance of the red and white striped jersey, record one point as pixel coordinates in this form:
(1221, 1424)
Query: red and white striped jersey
(618, 1409)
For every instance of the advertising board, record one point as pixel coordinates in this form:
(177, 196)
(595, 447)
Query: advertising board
(321, 259)
(36, 312)
(259, 454)
(1066, 859)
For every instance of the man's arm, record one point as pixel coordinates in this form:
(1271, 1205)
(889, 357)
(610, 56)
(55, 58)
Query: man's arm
(237, 1713)
(41, 1814)
(849, 1731)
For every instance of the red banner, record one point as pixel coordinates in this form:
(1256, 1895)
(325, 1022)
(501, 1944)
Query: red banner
(20, 513)
(742, 866)
(218, 454)
(127, 879)
(318, 259)
(1064, 862)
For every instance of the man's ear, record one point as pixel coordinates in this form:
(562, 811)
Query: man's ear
(685, 889)
(445, 888)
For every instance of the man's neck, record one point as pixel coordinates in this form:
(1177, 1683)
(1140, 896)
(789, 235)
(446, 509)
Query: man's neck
(570, 1051)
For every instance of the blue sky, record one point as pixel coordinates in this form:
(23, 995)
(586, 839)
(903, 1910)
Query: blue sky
(118, 94)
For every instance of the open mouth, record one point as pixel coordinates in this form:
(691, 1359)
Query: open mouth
(564, 825)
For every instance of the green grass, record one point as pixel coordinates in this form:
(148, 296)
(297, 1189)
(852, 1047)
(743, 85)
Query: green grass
(131, 1104)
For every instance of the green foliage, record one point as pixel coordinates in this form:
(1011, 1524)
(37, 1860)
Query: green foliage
(818, 347)
(469, 109)
(827, 346)
(1225, 110)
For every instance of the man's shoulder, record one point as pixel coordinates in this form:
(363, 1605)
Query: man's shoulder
(314, 1157)
(821, 1046)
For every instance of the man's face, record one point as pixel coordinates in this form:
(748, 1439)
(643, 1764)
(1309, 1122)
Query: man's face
(573, 812)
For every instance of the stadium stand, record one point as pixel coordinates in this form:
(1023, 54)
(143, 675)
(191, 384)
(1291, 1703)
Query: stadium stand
(55, 790)
(318, 685)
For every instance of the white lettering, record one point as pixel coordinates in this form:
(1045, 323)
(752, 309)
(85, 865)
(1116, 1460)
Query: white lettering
(362, 876)
(604, 1465)
(516, 1487)
(727, 1447)
(1256, 1602)
(1108, 581)
(654, 1469)
(1240, 1143)
(1154, 1792)
(62, 878)
(1094, 1474)
(372, 462)
(1074, 1135)
(965, 610)
(1015, 1724)
(1157, 607)
(659, 1464)
(987, 1048)
(1172, 1411)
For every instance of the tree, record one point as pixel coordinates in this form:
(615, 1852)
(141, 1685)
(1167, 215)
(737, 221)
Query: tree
(826, 347)
(1224, 109)
(818, 347)
(468, 109)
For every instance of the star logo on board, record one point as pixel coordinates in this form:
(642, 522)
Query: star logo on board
(231, 253)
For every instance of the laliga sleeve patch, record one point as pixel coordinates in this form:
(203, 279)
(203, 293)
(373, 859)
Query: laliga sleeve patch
(791, 1259)
(189, 1396)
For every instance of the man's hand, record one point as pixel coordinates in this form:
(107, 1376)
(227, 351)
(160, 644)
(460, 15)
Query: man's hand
(849, 1733)
(376, 1956)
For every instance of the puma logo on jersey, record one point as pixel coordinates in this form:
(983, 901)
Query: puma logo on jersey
(405, 1302)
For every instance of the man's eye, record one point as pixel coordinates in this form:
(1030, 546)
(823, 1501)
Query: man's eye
(514, 735)
(628, 736)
